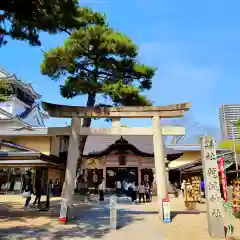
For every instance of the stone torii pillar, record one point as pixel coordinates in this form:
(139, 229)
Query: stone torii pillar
(159, 160)
(71, 168)
(155, 113)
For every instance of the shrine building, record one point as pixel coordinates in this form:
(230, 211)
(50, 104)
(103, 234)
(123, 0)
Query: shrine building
(120, 158)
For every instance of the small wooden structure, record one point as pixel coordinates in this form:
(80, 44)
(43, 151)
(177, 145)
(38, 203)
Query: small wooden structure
(236, 198)
(193, 192)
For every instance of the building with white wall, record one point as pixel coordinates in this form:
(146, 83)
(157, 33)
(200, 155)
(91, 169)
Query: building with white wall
(229, 114)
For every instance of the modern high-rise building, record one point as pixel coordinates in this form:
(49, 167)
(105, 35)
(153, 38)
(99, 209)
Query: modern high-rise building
(229, 114)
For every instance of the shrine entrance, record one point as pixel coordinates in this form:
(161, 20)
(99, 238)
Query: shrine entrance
(128, 174)
(116, 113)
(121, 174)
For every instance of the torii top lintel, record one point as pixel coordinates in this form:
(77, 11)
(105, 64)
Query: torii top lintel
(65, 111)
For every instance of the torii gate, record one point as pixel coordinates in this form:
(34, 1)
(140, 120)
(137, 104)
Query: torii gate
(115, 113)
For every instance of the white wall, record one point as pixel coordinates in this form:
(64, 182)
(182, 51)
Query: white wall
(55, 146)
(7, 106)
(18, 107)
(14, 107)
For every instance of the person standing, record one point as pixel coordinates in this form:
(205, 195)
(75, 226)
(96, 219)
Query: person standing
(148, 192)
(119, 187)
(134, 192)
(56, 187)
(38, 191)
(101, 189)
(183, 186)
(141, 190)
(50, 187)
(125, 187)
(95, 181)
(130, 190)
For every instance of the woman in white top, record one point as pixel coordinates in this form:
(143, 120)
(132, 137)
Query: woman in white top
(119, 187)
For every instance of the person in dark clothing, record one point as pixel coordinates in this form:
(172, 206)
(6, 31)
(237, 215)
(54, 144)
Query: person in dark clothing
(50, 187)
(28, 188)
(134, 192)
(148, 192)
(56, 188)
(38, 191)
(130, 190)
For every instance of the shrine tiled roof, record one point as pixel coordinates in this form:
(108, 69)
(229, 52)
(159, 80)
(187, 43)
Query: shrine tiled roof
(97, 144)
(142, 143)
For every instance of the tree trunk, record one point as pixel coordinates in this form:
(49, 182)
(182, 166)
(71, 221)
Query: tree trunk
(86, 123)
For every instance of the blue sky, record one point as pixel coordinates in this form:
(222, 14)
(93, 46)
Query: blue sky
(194, 45)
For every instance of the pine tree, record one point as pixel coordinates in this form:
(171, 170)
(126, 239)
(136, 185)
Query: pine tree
(25, 19)
(96, 60)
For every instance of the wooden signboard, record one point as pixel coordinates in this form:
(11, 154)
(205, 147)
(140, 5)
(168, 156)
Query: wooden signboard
(212, 188)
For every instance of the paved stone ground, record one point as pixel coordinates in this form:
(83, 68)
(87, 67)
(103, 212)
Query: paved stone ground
(191, 225)
(134, 221)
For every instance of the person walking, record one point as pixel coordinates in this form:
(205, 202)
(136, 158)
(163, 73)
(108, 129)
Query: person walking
(101, 189)
(28, 192)
(202, 188)
(141, 191)
(38, 191)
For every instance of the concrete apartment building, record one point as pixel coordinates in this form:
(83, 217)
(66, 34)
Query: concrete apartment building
(229, 114)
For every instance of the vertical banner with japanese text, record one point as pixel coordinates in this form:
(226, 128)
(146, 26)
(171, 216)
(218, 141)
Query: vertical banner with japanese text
(223, 178)
(212, 188)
